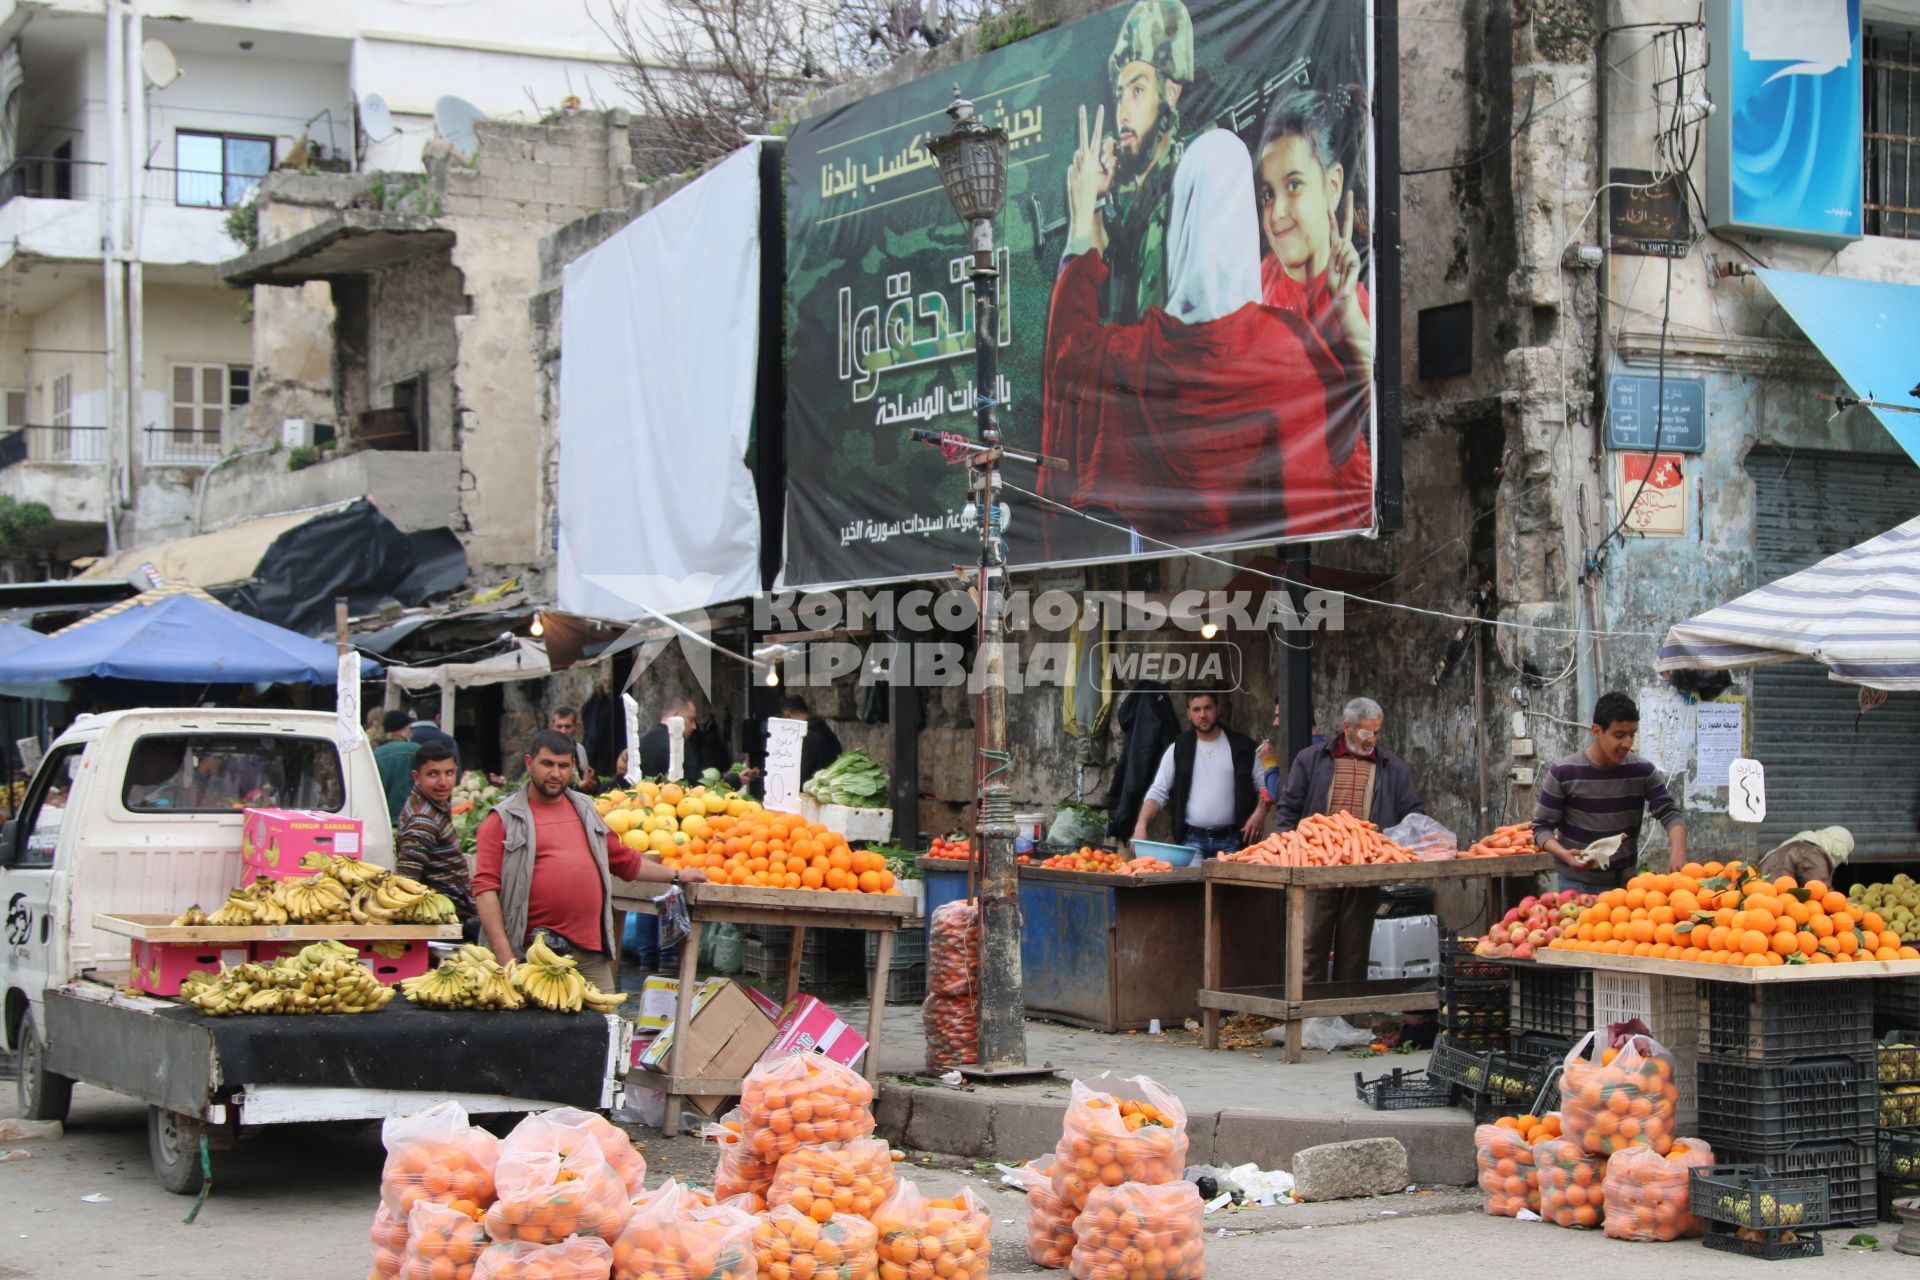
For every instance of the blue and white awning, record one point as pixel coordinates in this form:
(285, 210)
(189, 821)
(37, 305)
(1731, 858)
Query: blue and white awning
(1857, 611)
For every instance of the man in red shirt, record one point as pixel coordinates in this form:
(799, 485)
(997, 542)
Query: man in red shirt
(543, 860)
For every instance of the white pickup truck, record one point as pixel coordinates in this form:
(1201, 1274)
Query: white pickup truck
(139, 812)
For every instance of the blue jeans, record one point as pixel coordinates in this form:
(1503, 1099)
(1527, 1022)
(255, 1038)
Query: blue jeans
(1211, 846)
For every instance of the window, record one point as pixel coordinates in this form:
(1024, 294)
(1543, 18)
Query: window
(38, 834)
(200, 396)
(217, 772)
(1892, 131)
(218, 170)
(15, 407)
(60, 410)
(410, 397)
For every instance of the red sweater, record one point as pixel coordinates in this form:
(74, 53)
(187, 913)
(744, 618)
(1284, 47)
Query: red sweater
(565, 896)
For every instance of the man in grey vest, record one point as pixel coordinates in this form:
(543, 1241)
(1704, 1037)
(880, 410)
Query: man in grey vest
(543, 859)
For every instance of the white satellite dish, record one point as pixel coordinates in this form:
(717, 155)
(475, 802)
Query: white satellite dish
(158, 62)
(454, 119)
(376, 118)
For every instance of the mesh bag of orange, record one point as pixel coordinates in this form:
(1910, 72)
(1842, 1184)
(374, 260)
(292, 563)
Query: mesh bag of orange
(1135, 1230)
(1049, 1218)
(1504, 1153)
(797, 1101)
(952, 1026)
(1571, 1183)
(443, 1243)
(546, 1196)
(792, 1246)
(581, 1258)
(675, 1238)
(951, 1011)
(1625, 1097)
(699, 1197)
(1646, 1193)
(835, 1177)
(922, 1238)
(574, 1128)
(436, 1155)
(389, 1241)
(1118, 1129)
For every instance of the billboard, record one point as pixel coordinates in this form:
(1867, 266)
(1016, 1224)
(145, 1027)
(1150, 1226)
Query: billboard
(1784, 139)
(1184, 264)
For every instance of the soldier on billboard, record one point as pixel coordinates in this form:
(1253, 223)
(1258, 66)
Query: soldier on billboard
(1151, 64)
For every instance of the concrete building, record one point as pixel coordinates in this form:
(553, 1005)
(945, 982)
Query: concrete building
(137, 130)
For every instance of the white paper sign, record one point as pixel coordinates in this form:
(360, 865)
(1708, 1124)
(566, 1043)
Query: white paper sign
(783, 763)
(676, 747)
(1666, 729)
(1717, 733)
(632, 710)
(1747, 791)
(346, 693)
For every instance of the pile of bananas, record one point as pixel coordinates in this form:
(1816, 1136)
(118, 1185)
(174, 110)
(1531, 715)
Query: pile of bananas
(323, 978)
(470, 979)
(555, 982)
(340, 890)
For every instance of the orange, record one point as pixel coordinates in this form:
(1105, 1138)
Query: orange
(1753, 942)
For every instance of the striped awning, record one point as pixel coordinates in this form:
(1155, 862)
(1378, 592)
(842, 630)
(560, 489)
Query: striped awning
(1858, 612)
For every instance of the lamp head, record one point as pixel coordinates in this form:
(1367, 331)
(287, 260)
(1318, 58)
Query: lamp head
(973, 162)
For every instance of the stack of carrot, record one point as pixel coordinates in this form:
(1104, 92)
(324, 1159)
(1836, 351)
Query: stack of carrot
(1509, 841)
(1325, 840)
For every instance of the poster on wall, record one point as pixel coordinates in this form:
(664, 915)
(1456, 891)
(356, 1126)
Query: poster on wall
(1784, 139)
(1652, 493)
(1184, 264)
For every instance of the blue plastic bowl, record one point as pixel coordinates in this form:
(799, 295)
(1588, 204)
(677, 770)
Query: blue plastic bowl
(1179, 855)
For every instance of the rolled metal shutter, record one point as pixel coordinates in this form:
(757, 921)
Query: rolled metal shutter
(1827, 761)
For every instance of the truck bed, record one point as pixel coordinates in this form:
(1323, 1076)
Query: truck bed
(166, 1053)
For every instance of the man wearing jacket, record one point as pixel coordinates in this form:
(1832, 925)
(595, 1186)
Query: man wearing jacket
(1205, 783)
(1349, 773)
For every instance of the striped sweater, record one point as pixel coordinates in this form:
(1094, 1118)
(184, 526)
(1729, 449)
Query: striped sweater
(1581, 802)
(426, 848)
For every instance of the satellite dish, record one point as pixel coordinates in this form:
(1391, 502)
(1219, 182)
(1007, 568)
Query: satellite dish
(454, 118)
(376, 118)
(158, 62)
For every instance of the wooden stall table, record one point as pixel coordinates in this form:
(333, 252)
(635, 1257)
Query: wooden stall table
(1765, 975)
(798, 909)
(1294, 999)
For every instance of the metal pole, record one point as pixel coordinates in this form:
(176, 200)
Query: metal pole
(1003, 1030)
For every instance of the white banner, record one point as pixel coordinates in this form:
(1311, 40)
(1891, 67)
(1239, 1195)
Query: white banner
(349, 730)
(784, 738)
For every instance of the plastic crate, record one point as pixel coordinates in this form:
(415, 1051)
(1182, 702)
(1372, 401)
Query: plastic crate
(1488, 1107)
(1458, 1066)
(1769, 1105)
(1899, 1156)
(909, 945)
(1896, 1003)
(1670, 1010)
(1750, 1195)
(831, 956)
(1516, 1079)
(1481, 1022)
(1899, 1057)
(1538, 1046)
(1477, 1042)
(1555, 1002)
(764, 959)
(1848, 1167)
(904, 986)
(1891, 1191)
(1403, 1090)
(1458, 963)
(1788, 1020)
(1899, 1110)
(1773, 1245)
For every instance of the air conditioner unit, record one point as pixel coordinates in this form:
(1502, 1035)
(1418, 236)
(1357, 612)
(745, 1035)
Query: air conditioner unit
(296, 433)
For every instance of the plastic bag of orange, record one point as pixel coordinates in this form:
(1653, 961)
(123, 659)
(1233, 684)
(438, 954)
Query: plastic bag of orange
(1503, 1152)
(836, 1177)
(953, 949)
(699, 1197)
(674, 1238)
(798, 1101)
(740, 1172)
(1571, 1183)
(1625, 1098)
(1118, 1129)
(1135, 1230)
(1647, 1193)
(565, 1129)
(444, 1242)
(545, 1196)
(581, 1258)
(1049, 1218)
(792, 1246)
(921, 1238)
(436, 1155)
(389, 1240)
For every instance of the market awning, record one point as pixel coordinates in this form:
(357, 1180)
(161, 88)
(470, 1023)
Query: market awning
(1865, 329)
(1858, 612)
(526, 660)
(224, 558)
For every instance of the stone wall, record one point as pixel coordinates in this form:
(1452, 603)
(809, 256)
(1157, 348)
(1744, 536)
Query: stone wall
(413, 309)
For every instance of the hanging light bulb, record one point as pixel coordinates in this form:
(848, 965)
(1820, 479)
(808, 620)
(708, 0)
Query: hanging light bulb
(539, 627)
(773, 677)
(1208, 630)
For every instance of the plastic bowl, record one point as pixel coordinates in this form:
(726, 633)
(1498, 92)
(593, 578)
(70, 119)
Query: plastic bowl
(1179, 855)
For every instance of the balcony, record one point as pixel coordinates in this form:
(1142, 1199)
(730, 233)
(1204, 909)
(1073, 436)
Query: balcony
(54, 444)
(47, 211)
(164, 448)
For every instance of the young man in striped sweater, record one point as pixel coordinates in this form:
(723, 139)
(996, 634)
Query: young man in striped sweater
(425, 846)
(1603, 791)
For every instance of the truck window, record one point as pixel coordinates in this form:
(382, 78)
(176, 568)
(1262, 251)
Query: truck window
(39, 830)
(220, 772)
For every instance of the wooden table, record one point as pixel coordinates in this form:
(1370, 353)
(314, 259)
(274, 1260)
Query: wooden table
(1766, 975)
(1296, 999)
(161, 928)
(797, 909)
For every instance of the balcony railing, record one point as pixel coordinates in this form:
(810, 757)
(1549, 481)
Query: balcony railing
(190, 448)
(51, 178)
(36, 443)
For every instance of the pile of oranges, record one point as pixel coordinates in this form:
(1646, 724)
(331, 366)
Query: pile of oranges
(1627, 1099)
(1049, 1218)
(443, 1243)
(1504, 1154)
(1133, 1230)
(792, 1246)
(582, 1258)
(1108, 1139)
(544, 1197)
(780, 851)
(674, 1238)
(1085, 858)
(459, 1170)
(921, 1239)
(1571, 1183)
(389, 1240)
(837, 1177)
(799, 1101)
(740, 1172)
(1716, 913)
(1646, 1193)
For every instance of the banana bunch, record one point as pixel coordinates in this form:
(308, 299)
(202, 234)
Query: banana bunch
(470, 979)
(382, 901)
(320, 979)
(433, 908)
(350, 872)
(555, 982)
(191, 916)
(315, 899)
(242, 908)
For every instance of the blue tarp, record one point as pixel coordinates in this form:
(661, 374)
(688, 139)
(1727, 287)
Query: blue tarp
(179, 638)
(1866, 330)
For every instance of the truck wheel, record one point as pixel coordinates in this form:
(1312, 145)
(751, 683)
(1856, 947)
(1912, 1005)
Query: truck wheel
(173, 1148)
(43, 1094)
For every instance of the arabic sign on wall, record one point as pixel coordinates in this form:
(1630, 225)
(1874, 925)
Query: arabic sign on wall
(1184, 268)
(1652, 493)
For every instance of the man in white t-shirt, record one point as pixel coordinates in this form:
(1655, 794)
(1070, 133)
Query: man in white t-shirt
(1205, 783)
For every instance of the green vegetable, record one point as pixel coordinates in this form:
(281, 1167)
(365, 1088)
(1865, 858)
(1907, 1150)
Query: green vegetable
(856, 779)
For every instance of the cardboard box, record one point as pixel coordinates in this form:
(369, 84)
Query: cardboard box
(273, 841)
(726, 1035)
(158, 968)
(808, 1026)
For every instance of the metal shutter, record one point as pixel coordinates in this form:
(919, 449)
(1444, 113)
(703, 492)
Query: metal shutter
(1827, 762)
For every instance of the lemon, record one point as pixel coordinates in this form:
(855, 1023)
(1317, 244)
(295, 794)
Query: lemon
(661, 842)
(635, 840)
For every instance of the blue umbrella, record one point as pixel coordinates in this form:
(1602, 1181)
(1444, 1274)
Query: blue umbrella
(176, 635)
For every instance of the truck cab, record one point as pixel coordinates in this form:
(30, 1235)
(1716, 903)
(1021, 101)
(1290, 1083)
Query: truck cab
(140, 812)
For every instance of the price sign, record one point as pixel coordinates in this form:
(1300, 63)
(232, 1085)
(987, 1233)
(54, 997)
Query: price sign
(783, 763)
(1747, 790)
(632, 712)
(676, 747)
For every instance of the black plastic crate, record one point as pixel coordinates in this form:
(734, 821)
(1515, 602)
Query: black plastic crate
(1537, 1046)
(1456, 1065)
(1458, 963)
(1515, 1078)
(1899, 1156)
(1751, 1195)
(1899, 1110)
(909, 947)
(1891, 1191)
(1776, 1244)
(1787, 1020)
(1403, 1090)
(1768, 1105)
(904, 986)
(1555, 1002)
(1849, 1168)
(1488, 1107)
(1485, 1022)
(1480, 1043)
(1899, 1057)
(1896, 1003)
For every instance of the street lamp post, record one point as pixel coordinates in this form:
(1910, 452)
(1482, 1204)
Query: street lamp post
(973, 167)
